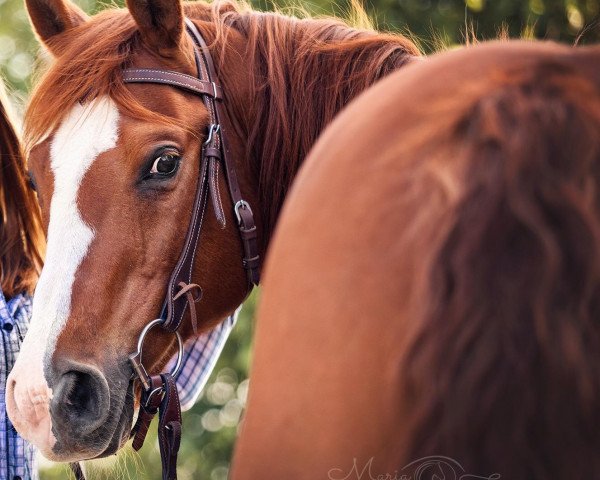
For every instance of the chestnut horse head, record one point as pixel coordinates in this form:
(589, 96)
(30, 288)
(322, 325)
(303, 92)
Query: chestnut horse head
(117, 166)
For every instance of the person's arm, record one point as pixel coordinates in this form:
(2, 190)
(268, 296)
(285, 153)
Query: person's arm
(17, 456)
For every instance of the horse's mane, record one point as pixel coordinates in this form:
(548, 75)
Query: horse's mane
(21, 239)
(504, 363)
(303, 71)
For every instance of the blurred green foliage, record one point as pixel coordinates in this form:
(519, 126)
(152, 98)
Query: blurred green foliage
(428, 20)
(210, 428)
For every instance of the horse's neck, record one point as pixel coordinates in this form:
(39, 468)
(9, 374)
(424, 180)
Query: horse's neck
(299, 75)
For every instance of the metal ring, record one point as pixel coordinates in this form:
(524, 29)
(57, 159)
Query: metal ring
(142, 337)
(241, 204)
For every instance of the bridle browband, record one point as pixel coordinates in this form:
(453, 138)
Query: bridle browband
(159, 392)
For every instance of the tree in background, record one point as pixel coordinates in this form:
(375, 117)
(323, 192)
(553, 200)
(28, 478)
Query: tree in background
(559, 20)
(210, 428)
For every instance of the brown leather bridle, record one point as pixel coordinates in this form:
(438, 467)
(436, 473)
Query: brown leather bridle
(159, 392)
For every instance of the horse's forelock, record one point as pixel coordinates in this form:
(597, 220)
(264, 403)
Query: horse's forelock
(93, 56)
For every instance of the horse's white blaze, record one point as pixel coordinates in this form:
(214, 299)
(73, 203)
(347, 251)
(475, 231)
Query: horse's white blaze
(87, 131)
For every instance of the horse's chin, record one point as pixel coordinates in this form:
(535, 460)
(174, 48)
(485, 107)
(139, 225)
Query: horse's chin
(123, 428)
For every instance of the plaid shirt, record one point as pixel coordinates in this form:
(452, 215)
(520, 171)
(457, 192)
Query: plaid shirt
(199, 359)
(17, 457)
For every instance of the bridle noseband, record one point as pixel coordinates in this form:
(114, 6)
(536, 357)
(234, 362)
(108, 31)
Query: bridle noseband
(159, 392)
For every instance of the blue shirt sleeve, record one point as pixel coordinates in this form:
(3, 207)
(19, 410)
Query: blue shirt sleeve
(17, 457)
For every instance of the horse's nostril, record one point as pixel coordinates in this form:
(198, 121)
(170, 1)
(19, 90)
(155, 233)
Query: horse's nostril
(80, 400)
(79, 395)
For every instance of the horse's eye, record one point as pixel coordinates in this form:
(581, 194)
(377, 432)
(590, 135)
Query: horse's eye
(165, 165)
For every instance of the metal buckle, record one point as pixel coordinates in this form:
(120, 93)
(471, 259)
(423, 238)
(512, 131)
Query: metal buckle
(136, 358)
(214, 85)
(213, 129)
(241, 204)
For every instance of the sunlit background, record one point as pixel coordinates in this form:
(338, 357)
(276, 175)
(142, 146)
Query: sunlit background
(210, 427)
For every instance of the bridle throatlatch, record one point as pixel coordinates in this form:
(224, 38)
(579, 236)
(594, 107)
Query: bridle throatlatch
(159, 392)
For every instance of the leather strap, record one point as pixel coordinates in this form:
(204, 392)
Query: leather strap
(169, 428)
(149, 405)
(182, 275)
(188, 290)
(161, 398)
(166, 77)
(77, 470)
(244, 215)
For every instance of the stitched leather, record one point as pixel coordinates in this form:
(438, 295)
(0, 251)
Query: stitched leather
(169, 427)
(166, 77)
(213, 187)
(247, 223)
(183, 270)
(165, 402)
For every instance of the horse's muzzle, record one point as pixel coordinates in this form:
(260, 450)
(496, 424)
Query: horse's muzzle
(75, 415)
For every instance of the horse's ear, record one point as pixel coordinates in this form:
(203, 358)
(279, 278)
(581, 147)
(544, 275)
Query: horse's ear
(52, 17)
(160, 23)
